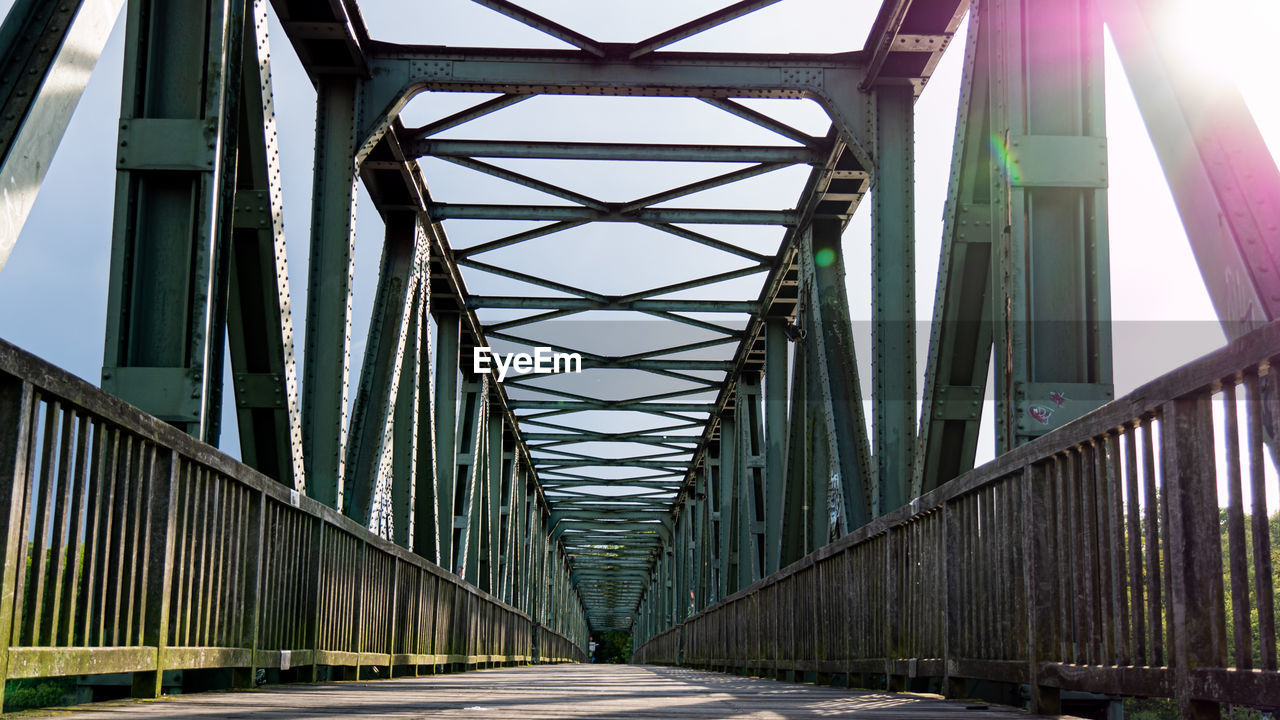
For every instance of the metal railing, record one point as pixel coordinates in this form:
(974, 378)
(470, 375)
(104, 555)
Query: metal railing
(130, 547)
(1095, 558)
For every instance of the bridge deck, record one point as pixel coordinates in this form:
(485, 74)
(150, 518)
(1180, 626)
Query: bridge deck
(552, 691)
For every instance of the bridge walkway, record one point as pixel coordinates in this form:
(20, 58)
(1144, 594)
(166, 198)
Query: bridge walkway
(550, 691)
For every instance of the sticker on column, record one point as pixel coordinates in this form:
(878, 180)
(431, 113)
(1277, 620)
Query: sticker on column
(285, 657)
(295, 498)
(1040, 414)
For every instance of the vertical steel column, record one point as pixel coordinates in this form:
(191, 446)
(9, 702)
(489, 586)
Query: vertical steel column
(1053, 332)
(174, 188)
(47, 52)
(893, 297)
(775, 438)
(259, 316)
(327, 363)
(446, 426)
(380, 374)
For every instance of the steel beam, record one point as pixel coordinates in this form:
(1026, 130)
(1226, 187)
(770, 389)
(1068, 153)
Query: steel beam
(836, 390)
(1053, 335)
(778, 155)
(173, 219)
(446, 426)
(259, 314)
(893, 297)
(565, 213)
(469, 488)
(403, 255)
(961, 333)
(399, 72)
(47, 52)
(1222, 176)
(775, 439)
(327, 362)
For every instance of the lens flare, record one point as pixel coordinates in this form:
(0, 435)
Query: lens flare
(825, 257)
(1005, 159)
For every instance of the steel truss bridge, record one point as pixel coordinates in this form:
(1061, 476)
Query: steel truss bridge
(711, 487)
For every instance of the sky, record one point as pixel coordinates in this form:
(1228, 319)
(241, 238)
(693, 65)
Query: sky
(53, 289)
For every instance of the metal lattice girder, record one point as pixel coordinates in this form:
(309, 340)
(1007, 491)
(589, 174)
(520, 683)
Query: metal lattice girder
(47, 52)
(400, 72)
(1224, 180)
(259, 316)
(173, 219)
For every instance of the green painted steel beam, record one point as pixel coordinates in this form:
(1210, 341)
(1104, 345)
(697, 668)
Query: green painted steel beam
(448, 328)
(961, 333)
(401, 71)
(260, 338)
(377, 394)
(531, 303)
(327, 361)
(893, 298)
(1052, 329)
(565, 213)
(47, 52)
(834, 386)
(775, 439)
(774, 154)
(1223, 179)
(177, 146)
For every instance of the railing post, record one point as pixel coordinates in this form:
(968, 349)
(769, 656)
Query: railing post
(161, 529)
(1195, 550)
(393, 621)
(16, 401)
(315, 622)
(951, 686)
(1039, 576)
(254, 540)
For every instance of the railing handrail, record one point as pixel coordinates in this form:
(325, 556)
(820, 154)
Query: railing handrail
(1041, 566)
(68, 388)
(1256, 348)
(487, 630)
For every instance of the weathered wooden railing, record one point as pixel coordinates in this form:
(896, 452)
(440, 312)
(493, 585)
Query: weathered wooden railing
(1094, 558)
(129, 547)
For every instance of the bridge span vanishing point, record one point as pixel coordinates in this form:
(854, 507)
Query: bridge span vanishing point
(613, 367)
